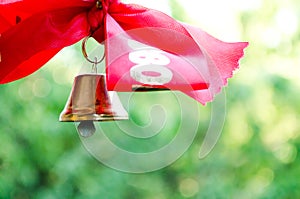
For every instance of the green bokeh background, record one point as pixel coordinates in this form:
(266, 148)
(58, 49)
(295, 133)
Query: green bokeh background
(257, 155)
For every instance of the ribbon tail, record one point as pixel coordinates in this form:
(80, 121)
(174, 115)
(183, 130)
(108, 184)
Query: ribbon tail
(222, 59)
(28, 45)
(199, 64)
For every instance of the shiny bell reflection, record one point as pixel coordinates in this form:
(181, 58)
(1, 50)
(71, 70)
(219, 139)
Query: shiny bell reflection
(90, 101)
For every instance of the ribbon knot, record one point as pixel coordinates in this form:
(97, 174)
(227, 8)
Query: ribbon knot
(96, 17)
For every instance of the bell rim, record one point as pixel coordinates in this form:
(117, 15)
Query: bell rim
(93, 117)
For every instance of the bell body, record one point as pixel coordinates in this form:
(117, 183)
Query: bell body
(89, 100)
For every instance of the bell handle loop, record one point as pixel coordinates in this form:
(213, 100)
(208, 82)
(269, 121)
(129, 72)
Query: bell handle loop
(83, 49)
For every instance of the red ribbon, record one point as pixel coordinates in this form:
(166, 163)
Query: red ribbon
(32, 32)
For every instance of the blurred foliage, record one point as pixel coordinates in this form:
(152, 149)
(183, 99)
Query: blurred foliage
(257, 155)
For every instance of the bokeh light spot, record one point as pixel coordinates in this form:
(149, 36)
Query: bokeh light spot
(188, 187)
(41, 87)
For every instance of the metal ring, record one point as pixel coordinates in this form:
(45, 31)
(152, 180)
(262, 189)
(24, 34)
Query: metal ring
(85, 53)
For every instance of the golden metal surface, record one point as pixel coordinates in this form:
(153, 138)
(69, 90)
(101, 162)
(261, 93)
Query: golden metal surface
(90, 100)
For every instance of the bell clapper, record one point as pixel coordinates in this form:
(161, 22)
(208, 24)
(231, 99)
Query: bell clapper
(86, 128)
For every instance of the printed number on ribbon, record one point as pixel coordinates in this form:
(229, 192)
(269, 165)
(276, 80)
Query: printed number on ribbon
(150, 68)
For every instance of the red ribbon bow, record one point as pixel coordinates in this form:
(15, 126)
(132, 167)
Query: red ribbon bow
(32, 32)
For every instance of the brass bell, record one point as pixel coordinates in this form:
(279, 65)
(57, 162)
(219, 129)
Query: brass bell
(89, 100)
